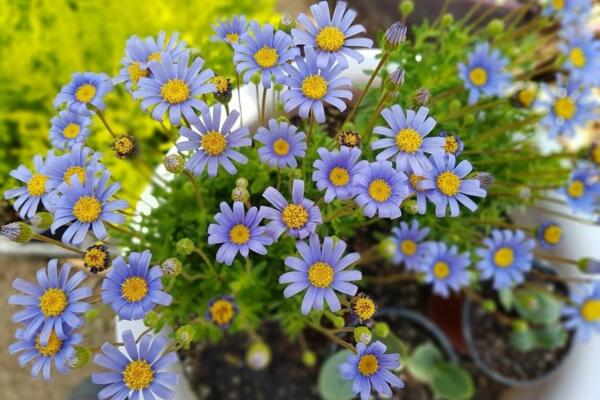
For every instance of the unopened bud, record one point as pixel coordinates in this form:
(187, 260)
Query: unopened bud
(382, 329)
(80, 358)
(174, 163)
(394, 36)
(495, 27)
(520, 326)
(387, 248)
(309, 358)
(222, 91)
(406, 7)
(124, 146)
(447, 19)
(489, 306)
(396, 79)
(185, 335)
(410, 207)
(241, 182)
(17, 232)
(363, 335)
(486, 180)
(240, 194)
(338, 322)
(171, 266)
(258, 356)
(185, 246)
(421, 97)
(42, 220)
(286, 23)
(152, 319)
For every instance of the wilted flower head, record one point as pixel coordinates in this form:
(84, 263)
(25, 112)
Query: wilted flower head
(348, 138)
(124, 146)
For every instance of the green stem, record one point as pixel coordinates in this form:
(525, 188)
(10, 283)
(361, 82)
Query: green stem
(205, 258)
(239, 96)
(263, 107)
(125, 231)
(100, 115)
(309, 133)
(374, 117)
(331, 336)
(197, 192)
(46, 239)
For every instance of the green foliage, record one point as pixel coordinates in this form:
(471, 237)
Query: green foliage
(537, 306)
(331, 385)
(452, 382)
(423, 360)
(548, 337)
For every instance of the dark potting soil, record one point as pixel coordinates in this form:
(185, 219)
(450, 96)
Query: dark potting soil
(220, 371)
(492, 342)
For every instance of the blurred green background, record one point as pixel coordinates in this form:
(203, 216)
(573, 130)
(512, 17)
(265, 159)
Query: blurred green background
(43, 42)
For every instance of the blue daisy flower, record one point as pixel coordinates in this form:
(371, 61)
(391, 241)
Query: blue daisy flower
(174, 89)
(57, 351)
(583, 312)
(370, 368)
(566, 108)
(263, 51)
(37, 188)
(133, 288)
(452, 144)
(381, 190)
(214, 143)
(332, 35)
(484, 73)
(87, 206)
(321, 272)
(549, 234)
(336, 172)
(300, 217)
(139, 52)
(62, 169)
(310, 86)
(54, 304)
(568, 11)
(582, 192)
(445, 268)
(416, 175)
(583, 55)
(140, 370)
(238, 231)
(230, 30)
(405, 138)
(282, 144)
(68, 129)
(448, 186)
(85, 90)
(222, 310)
(409, 244)
(506, 258)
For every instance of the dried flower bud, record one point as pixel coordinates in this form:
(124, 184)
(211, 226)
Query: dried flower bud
(395, 36)
(240, 194)
(396, 79)
(174, 163)
(421, 97)
(486, 180)
(222, 91)
(80, 358)
(171, 266)
(348, 139)
(258, 356)
(97, 258)
(17, 232)
(185, 335)
(363, 335)
(42, 220)
(124, 146)
(309, 358)
(286, 23)
(185, 246)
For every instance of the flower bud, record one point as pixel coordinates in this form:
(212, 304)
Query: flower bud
(447, 19)
(524, 193)
(489, 306)
(80, 358)
(421, 97)
(295, 173)
(396, 79)
(185, 335)
(454, 105)
(42, 220)
(286, 23)
(91, 314)
(240, 194)
(338, 322)
(394, 36)
(309, 358)
(152, 319)
(495, 27)
(17, 232)
(241, 182)
(410, 207)
(520, 326)
(171, 266)
(255, 79)
(594, 153)
(222, 91)
(387, 248)
(382, 329)
(185, 246)
(258, 356)
(124, 146)
(363, 335)
(406, 7)
(174, 163)
(486, 180)
(589, 266)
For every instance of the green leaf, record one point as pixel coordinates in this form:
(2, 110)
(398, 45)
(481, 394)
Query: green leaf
(394, 344)
(537, 306)
(331, 384)
(551, 337)
(506, 299)
(452, 382)
(523, 341)
(423, 360)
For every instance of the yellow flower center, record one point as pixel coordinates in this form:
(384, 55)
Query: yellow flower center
(565, 108)
(138, 375)
(330, 38)
(450, 145)
(124, 144)
(590, 310)
(175, 91)
(221, 84)
(380, 190)
(368, 365)
(94, 258)
(87, 209)
(37, 185)
(577, 57)
(134, 289)
(478, 76)
(71, 171)
(552, 234)
(52, 348)
(222, 312)
(314, 87)
(504, 257)
(339, 176)
(214, 143)
(53, 302)
(448, 183)
(266, 57)
(71, 131)
(441, 270)
(364, 308)
(239, 234)
(526, 97)
(232, 38)
(408, 247)
(281, 147)
(408, 140)
(558, 4)
(576, 189)
(414, 181)
(85, 93)
(320, 275)
(155, 56)
(135, 72)
(294, 216)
